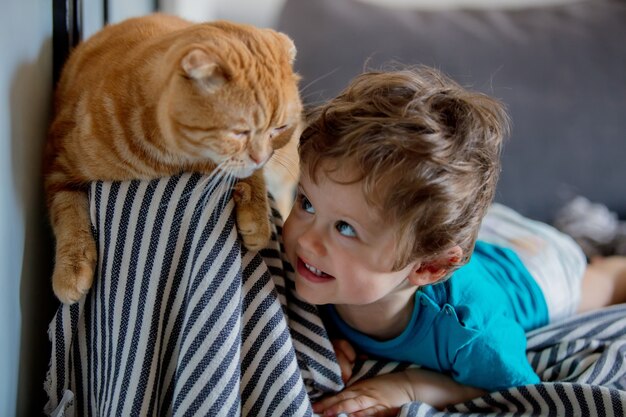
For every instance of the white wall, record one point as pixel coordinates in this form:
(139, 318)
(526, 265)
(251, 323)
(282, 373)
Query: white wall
(25, 301)
(121, 9)
(263, 13)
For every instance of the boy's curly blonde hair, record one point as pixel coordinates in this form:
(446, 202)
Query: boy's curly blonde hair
(426, 149)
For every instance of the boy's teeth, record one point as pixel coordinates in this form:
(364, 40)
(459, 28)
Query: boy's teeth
(313, 269)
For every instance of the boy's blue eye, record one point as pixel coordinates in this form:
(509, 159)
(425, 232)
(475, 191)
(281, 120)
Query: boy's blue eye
(306, 205)
(345, 229)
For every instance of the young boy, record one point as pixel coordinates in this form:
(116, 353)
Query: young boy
(397, 174)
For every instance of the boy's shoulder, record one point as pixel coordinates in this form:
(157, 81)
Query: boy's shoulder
(494, 282)
(473, 284)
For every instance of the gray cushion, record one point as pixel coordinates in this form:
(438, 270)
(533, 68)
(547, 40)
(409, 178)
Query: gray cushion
(561, 70)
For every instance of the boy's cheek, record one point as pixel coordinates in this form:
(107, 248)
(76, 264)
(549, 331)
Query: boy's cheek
(288, 241)
(286, 228)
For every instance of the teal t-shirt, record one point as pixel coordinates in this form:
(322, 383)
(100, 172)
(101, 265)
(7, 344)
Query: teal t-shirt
(471, 326)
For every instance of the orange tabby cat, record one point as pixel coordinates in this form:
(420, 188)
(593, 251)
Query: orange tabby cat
(157, 95)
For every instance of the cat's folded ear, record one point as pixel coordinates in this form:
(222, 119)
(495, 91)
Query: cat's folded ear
(289, 46)
(205, 69)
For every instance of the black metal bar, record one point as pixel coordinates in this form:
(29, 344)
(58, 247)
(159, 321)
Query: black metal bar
(66, 32)
(105, 11)
(60, 37)
(77, 19)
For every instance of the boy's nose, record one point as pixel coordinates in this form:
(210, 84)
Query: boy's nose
(312, 241)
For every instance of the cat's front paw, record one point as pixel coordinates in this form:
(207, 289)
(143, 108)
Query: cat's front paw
(254, 229)
(242, 193)
(73, 271)
(252, 216)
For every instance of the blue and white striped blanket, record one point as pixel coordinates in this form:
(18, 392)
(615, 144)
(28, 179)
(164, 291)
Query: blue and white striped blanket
(183, 321)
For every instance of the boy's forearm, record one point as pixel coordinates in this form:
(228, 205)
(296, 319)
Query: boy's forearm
(437, 389)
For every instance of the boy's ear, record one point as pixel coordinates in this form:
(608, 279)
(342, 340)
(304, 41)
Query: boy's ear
(430, 272)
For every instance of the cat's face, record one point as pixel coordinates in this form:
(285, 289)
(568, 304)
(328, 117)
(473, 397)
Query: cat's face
(234, 109)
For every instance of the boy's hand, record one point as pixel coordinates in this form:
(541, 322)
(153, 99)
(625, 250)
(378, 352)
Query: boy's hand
(346, 355)
(384, 395)
(379, 396)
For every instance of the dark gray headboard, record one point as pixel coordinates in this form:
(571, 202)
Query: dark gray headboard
(561, 70)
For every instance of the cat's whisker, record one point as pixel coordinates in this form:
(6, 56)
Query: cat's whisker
(188, 194)
(286, 157)
(225, 185)
(207, 183)
(313, 103)
(286, 154)
(292, 172)
(230, 181)
(289, 164)
(218, 185)
(320, 78)
(225, 167)
(213, 179)
(220, 191)
(216, 188)
(221, 168)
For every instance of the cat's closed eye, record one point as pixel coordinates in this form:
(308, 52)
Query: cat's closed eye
(278, 130)
(241, 134)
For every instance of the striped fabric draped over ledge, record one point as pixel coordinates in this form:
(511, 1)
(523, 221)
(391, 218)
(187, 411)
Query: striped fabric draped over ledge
(181, 319)
(184, 321)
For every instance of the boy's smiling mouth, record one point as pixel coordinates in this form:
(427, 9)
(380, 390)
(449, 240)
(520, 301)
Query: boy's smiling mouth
(314, 270)
(311, 273)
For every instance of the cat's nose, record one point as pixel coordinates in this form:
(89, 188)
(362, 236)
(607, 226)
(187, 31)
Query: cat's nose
(259, 159)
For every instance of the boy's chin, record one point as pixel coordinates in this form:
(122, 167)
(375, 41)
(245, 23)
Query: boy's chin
(307, 294)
